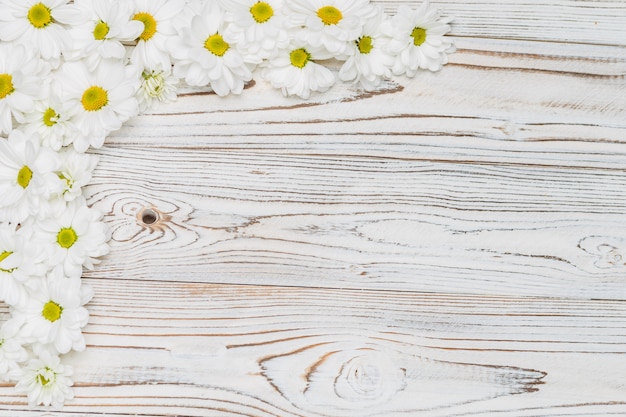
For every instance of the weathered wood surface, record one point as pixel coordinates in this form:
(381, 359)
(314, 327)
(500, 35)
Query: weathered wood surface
(450, 245)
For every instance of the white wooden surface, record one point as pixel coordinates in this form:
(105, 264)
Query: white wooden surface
(451, 245)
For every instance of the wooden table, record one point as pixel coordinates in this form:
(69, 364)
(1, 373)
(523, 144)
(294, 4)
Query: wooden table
(449, 245)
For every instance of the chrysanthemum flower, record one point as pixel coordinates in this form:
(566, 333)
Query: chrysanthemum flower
(418, 40)
(55, 315)
(204, 52)
(157, 16)
(328, 23)
(46, 380)
(52, 120)
(107, 23)
(104, 99)
(75, 171)
(157, 86)
(21, 78)
(27, 177)
(37, 24)
(257, 27)
(369, 61)
(74, 239)
(22, 264)
(295, 71)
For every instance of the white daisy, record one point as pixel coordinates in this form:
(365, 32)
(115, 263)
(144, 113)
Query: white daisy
(104, 98)
(328, 23)
(75, 171)
(21, 78)
(204, 54)
(22, 264)
(106, 25)
(27, 177)
(295, 71)
(11, 351)
(52, 120)
(157, 87)
(257, 27)
(55, 315)
(369, 61)
(46, 380)
(37, 24)
(74, 239)
(418, 40)
(157, 17)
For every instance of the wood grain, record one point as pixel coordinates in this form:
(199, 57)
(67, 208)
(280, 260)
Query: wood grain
(159, 348)
(245, 218)
(448, 245)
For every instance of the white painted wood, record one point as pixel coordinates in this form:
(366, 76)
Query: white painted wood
(449, 245)
(161, 348)
(241, 217)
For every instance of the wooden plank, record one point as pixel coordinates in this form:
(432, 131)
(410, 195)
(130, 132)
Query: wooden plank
(542, 106)
(346, 221)
(572, 21)
(160, 348)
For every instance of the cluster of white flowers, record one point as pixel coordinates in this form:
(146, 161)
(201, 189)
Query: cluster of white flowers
(71, 72)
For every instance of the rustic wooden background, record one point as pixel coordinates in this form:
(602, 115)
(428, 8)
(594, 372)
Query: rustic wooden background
(450, 245)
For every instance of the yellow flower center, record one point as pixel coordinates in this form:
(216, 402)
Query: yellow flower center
(149, 25)
(6, 85)
(39, 16)
(94, 98)
(299, 58)
(261, 12)
(365, 44)
(24, 176)
(100, 31)
(419, 36)
(216, 45)
(66, 237)
(50, 117)
(3, 256)
(43, 380)
(330, 15)
(51, 312)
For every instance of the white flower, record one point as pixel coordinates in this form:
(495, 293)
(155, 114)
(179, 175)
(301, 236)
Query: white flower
(21, 264)
(418, 40)
(46, 381)
(257, 27)
(75, 170)
(74, 239)
(55, 315)
(328, 23)
(295, 71)
(52, 120)
(157, 17)
(104, 99)
(156, 87)
(204, 54)
(368, 62)
(37, 25)
(11, 350)
(107, 23)
(21, 79)
(27, 177)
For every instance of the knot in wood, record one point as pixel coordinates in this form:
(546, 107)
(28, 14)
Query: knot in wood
(364, 377)
(152, 218)
(371, 378)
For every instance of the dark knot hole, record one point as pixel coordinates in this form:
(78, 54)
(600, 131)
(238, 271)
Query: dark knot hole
(149, 216)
